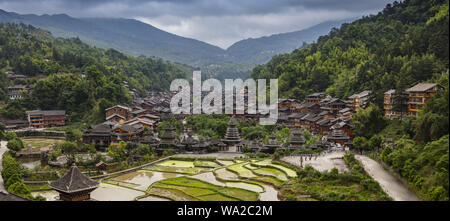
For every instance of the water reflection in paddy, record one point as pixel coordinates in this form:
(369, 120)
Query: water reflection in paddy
(49, 195)
(141, 180)
(108, 192)
(144, 178)
(210, 178)
(225, 174)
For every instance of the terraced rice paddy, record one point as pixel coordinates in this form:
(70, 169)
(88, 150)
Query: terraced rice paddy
(205, 163)
(226, 162)
(196, 181)
(172, 194)
(268, 179)
(289, 172)
(271, 172)
(250, 167)
(224, 174)
(182, 170)
(109, 192)
(202, 190)
(176, 163)
(241, 170)
(140, 179)
(247, 186)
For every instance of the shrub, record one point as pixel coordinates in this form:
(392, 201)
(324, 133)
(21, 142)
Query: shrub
(15, 144)
(10, 136)
(13, 179)
(212, 149)
(20, 189)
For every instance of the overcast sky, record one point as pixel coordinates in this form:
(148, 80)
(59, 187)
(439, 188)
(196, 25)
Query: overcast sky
(218, 22)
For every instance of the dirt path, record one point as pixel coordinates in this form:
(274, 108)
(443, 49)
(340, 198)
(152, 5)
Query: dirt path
(391, 185)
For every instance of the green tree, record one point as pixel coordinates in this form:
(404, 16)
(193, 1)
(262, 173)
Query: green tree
(374, 142)
(68, 147)
(20, 189)
(360, 143)
(369, 121)
(15, 144)
(74, 135)
(10, 136)
(118, 152)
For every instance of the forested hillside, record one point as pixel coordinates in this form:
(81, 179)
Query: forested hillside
(404, 44)
(55, 68)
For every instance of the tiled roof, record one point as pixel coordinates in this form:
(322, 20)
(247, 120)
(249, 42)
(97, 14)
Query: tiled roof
(119, 106)
(345, 110)
(422, 87)
(47, 112)
(116, 115)
(74, 181)
(390, 91)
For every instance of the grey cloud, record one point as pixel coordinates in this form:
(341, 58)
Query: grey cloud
(220, 22)
(186, 8)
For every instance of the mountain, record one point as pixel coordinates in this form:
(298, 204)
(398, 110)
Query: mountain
(260, 50)
(126, 35)
(137, 38)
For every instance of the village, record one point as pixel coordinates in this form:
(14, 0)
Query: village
(160, 143)
(320, 114)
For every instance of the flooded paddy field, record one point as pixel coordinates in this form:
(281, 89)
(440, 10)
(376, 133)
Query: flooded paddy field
(176, 163)
(184, 180)
(226, 162)
(109, 192)
(141, 179)
(271, 172)
(49, 195)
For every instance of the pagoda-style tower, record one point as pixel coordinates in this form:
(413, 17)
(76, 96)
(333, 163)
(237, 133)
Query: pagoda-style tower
(272, 144)
(74, 186)
(168, 137)
(297, 140)
(232, 135)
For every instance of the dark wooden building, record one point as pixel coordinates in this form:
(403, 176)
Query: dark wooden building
(74, 185)
(46, 118)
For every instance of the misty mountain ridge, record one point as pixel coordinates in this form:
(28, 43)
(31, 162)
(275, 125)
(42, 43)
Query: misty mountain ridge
(137, 38)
